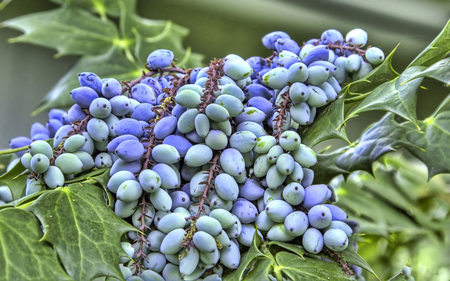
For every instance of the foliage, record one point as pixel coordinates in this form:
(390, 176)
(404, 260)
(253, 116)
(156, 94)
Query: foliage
(404, 217)
(386, 90)
(109, 36)
(395, 206)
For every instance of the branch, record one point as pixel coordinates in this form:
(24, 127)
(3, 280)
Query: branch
(140, 254)
(212, 173)
(342, 47)
(130, 84)
(161, 110)
(215, 72)
(282, 111)
(334, 255)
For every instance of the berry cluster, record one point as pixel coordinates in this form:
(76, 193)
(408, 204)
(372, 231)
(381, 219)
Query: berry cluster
(202, 160)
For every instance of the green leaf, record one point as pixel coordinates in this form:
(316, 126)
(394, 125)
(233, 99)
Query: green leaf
(249, 257)
(16, 180)
(381, 74)
(90, 176)
(84, 232)
(150, 35)
(380, 217)
(350, 256)
(113, 63)
(439, 71)
(69, 30)
(10, 151)
(384, 136)
(326, 167)
(5, 160)
(296, 249)
(437, 50)
(297, 269)
(101, 7)
(327, 125)
(397, 96)
(4, 3)
(432, 140)
(23, 256)
(260, 270)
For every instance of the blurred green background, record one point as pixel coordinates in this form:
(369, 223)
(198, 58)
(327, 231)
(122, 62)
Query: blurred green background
(218, 28)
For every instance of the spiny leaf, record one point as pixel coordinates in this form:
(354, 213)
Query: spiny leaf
(23, 255)
(382, 73)
(437, 50)
(68, 30)
(260, 270)
(297, 269)
(384, 136)
(149, 35)
(16, 180)
(90, 176)
(439, 71)
(327, 125)
(296, 249)
(111, 64)
(432, 140)
(397, 96)
(326, 167)
(84, 232)
(360, 202)
(101, 7)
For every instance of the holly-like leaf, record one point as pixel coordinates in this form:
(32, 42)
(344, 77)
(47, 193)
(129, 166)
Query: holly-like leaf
(16, 180)
(431, 142)
(68, 30)
(375, 214)
(101, 7)
(398, 96)
(150, 35)
(296, 269)
(327, 125)
(382, 73)
(90, 176)
(23, 255)
(437, 50)
(439, 71)
(111, 64)
(83, 231)
(296, 249)
(261, 269)
(384, 136)
(326, 167)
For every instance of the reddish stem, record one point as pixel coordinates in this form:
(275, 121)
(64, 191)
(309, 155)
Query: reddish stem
(140, 254)
(347, 270)
(282, 111)
(79, 128)
(212, 173)
(215, 72)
